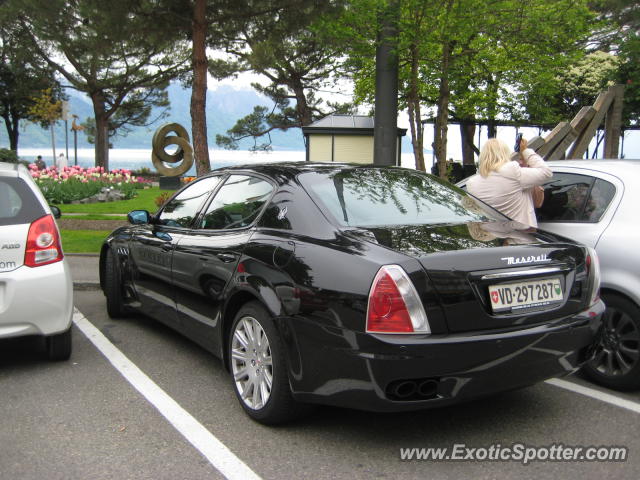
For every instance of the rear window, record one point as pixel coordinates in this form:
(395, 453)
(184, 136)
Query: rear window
(367, 197)
(18, 204)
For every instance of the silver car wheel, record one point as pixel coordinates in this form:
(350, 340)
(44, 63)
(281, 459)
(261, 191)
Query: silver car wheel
(251, 363)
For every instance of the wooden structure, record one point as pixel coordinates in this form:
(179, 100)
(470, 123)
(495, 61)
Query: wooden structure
(344, 138)
(571, 139)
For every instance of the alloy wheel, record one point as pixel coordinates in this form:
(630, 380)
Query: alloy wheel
(618, 350)
(251, 363)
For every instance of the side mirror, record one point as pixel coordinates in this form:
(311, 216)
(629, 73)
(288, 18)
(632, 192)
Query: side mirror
(55, 211)
(139, 217)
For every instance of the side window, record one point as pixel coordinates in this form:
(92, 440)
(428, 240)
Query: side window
(182, 209)
(565, 198)
(237, 204)
(601, 195)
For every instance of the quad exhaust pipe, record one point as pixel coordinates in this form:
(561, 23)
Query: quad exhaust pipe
(421, 389)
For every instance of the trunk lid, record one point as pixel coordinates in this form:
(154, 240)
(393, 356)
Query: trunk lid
(478, 268)
(13, 241)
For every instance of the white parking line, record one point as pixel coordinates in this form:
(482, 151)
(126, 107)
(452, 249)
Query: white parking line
(202, 439)
(597, 394)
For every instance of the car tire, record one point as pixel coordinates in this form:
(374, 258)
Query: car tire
(59, 346)
(113, 287)
(616, 362)
(258, 367)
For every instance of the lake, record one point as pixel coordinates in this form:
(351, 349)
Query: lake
(137, 158)
(132, 159)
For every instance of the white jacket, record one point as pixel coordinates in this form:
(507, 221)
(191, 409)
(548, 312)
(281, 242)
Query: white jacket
(509, 188)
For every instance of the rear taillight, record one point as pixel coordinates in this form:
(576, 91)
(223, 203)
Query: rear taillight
(593, 269)
(394, 305)
(43, 243)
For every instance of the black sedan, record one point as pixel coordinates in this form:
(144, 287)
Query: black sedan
(367, 287)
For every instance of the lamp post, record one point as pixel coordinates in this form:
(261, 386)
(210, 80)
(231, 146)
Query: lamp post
(76, 128)
(65, 117)
(385, 123)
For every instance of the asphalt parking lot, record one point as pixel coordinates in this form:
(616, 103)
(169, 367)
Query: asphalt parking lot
(84, 419)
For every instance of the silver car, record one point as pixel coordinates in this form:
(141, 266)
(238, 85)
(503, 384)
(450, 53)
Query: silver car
(594, 202)
(36, 290)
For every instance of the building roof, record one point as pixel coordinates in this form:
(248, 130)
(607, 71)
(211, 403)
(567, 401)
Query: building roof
(345, 125)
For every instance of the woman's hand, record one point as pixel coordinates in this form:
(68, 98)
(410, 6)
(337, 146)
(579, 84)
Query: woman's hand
(523, 145)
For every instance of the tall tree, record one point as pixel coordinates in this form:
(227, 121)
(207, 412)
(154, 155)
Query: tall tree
(110, 51)
(213, 24)
(46, 110)
(571, 89)
(299, 60)
(22, 77)
(466, 56)
(619, 33)
(199, 88)
(629, 75)
(617, 18)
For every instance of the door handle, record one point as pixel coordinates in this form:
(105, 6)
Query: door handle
(226, 257)
(167, 247)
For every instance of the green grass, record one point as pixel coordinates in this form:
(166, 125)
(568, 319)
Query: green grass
(83, 241)
(95, 216)
(144, 201)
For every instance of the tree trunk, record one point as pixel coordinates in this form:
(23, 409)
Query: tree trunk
(492, 110)
(492, 128)
(467, 132)
(102, 131)
(13, 137)
(11, 124)
(199, 89)
(303, 112)
(440, 127)
(415, 117)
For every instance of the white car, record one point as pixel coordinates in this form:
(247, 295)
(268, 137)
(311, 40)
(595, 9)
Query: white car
(595, 202)
(36, 289)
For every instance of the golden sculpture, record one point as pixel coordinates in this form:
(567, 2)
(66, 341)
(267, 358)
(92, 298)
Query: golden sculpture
(184, 152)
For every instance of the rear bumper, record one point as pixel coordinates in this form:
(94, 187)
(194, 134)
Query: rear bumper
(36, 301)
(395, 372)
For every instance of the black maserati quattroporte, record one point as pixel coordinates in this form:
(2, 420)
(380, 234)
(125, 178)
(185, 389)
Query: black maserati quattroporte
(365, 287)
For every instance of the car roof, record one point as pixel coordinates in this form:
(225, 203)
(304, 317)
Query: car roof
(286, 171)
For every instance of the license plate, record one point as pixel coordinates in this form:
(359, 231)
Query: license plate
(525, 295)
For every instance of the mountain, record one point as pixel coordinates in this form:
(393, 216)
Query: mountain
(225, 105)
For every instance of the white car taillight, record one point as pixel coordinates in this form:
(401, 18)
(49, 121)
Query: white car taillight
(593, 268)
(43, 243)
(394, 304)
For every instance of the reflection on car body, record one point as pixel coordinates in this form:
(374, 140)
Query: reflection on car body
(358, 286)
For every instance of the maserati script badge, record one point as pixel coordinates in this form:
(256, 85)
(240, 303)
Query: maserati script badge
(529, 259)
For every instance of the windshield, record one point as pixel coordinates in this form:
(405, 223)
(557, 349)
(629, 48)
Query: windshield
(367, 197)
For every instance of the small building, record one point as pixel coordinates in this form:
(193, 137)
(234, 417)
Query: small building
(343, 138)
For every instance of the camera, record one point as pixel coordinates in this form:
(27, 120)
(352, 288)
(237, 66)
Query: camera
(517, 146)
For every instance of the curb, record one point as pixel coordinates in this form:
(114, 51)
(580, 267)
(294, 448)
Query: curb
(81, 254)
(85, 286)
(84, 214)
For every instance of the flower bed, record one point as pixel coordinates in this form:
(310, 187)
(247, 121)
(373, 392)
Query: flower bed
(76, 183)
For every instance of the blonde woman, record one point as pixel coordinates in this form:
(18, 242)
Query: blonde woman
(504, 184)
